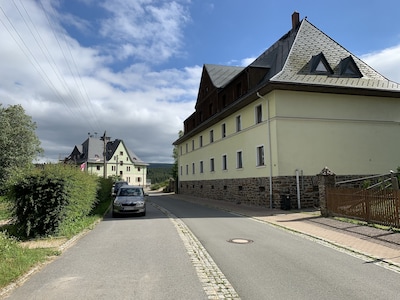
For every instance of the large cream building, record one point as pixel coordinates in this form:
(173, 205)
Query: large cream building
(266, 130)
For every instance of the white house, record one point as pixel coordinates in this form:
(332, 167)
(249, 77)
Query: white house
(120, 161)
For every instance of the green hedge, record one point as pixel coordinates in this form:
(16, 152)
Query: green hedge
(51, 197)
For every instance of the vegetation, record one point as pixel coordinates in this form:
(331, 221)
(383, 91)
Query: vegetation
(159, 173)
(18, 143)
(76, 201)
(16, 260)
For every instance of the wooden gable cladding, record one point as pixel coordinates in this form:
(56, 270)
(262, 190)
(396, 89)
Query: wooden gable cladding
(212, 100)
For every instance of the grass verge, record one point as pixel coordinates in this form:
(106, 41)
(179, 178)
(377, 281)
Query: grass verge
(16, 260)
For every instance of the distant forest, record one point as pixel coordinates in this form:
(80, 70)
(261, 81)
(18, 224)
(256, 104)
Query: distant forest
(159, 173)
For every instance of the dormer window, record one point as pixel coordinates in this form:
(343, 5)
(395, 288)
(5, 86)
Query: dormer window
(348, 68)
(319, 65)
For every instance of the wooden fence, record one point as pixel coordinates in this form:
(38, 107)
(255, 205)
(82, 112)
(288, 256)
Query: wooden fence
(373, 206)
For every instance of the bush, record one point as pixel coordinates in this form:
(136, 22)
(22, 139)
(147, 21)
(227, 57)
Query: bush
(45, 200)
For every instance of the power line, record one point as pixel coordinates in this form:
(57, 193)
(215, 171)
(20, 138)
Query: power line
(83, 98)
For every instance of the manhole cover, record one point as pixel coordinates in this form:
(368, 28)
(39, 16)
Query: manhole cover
(240, 241)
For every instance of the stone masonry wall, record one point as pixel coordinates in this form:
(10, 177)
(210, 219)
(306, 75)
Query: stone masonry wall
(255, 191)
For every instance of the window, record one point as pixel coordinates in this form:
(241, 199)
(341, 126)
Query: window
(121, 153)
(192, 145)
(239, 160)
(128, 168)
(201, 167)
(348, 68)
(187, 170)
(181, 170)
(187, 148)
(224, 162)
(121, 163)
(260, 156)
(139, 179)
(128, 179)
(201, 141)
(212, 166)
(113, 168)
(211, 136)
(238, 124)
(320, 66)
(258, 114)
(193, 168)
(223, 130)
(138, 169)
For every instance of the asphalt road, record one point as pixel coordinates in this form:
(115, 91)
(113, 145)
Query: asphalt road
(173, 252)
(123, 258)
(279, 264)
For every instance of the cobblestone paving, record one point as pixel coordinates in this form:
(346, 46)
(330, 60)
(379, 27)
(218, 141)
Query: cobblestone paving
(215, 285)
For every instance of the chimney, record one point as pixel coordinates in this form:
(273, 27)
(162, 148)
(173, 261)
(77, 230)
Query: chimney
(295, 19)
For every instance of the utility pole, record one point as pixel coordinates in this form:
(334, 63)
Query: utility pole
(105, 138)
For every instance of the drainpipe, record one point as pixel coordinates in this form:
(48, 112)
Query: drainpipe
(270, 150)
(298, 189)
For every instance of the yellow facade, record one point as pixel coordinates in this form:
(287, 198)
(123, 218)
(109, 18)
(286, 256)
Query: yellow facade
(348, 133)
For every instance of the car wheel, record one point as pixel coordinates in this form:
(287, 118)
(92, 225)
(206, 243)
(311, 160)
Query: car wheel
(143, 213)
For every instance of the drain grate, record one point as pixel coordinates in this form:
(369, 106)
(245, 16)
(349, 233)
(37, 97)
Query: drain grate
(240, 241)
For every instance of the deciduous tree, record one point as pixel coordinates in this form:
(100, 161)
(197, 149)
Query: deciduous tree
(19, 145)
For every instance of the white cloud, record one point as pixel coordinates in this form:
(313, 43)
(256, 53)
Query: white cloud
(386, 62)
(149, 30)
(70, 90)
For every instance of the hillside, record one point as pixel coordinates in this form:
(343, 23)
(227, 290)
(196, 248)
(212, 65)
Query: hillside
(159, 172)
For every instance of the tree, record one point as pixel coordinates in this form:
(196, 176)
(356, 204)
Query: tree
(18, 142)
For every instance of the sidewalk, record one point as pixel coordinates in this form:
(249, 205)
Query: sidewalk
(380, 245)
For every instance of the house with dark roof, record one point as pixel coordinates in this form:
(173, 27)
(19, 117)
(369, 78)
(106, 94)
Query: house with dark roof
(264, 131)
(120, 161)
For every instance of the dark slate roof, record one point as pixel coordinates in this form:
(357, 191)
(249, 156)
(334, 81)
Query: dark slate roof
(91, 150)
(221, 75)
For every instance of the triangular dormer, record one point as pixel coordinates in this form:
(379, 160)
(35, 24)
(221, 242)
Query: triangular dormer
(348, 68)
(319, 65)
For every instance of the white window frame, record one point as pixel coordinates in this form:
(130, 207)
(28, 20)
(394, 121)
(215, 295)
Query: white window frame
(260, 156)
(239, 159)
(258, 114)
(238, 121)
(224, 162)
(223, 130)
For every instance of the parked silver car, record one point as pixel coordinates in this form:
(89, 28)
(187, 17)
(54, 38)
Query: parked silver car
(130, 200)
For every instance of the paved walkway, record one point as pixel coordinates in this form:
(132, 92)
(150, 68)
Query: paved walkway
(380, 245)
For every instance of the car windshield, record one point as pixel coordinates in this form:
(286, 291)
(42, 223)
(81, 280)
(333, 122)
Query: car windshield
(130, 192)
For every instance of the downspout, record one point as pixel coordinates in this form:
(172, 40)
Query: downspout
(270, 150)
(298, 189)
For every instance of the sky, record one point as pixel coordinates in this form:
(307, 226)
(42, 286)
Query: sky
(132, 67)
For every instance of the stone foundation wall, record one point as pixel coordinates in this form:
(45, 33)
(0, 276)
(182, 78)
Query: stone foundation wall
(255, 191)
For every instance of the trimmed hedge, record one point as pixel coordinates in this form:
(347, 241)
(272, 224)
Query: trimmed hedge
(51, 197)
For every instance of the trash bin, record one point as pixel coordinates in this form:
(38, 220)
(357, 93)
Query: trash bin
(285, 202)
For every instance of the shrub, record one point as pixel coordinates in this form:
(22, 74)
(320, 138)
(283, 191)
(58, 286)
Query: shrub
(52, 197)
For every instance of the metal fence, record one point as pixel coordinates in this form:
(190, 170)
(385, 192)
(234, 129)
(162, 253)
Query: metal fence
(373, 206)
